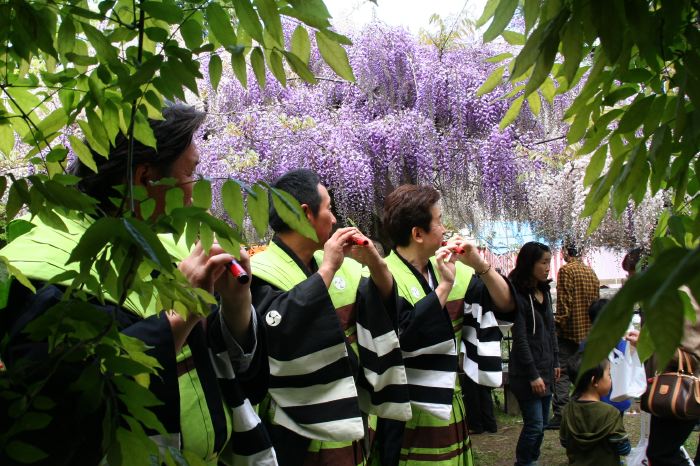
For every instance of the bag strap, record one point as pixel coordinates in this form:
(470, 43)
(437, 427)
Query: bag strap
(681, 361)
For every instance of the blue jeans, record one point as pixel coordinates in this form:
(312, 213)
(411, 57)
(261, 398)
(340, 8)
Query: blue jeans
(535, 414)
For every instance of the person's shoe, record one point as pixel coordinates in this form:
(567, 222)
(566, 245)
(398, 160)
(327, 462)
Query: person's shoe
(554, 423)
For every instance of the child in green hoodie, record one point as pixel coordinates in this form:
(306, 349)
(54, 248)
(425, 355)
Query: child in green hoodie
(592, 431)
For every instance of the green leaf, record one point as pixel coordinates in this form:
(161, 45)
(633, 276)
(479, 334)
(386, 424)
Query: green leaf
(512, 113)
(240, 69)
(258, 205)
(257, 60)
(95, 238)
(635, 75)
(3, 185)
(192, 33)
(267, 9)
(167, 11)
(96, 143)
(249, 19)
(578, 128)
(535, 103)
(501, 18)
(201, 194)
(129, 448)
(220, 24)
(143, 237)
(289, 210)
(16, 198)
(104, 50)
(531, 9)
(15, 272)
(299, 67)
(206, 236)
(548, 90)
(83, 152)
(499, 58)
(174, 199)
(595, 166)
(277, 67)
(660, 156)
(635, 114)
(301, 46)
(7, 139)
(494, 79)
(312, 12)
(336, 57)
(23, 452)
(232, 200)
(215, 69)
(143, 132)
(572, 49)
(489, 10)
(514, 38)
(66, 35)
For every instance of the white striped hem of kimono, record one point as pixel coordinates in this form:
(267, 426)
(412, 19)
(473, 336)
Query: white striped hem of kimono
(314, 394)
(309, 363)
(342, 430)
(428, 378)
(386, 410)
(381, 345)
(446, 347)
(440, 411)
(395, 375)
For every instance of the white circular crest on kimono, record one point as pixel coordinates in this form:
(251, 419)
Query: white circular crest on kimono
(273, 318)
(415, 292)
(339, 283)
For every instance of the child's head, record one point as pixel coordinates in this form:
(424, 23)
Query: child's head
(595, 309)
(596, 378)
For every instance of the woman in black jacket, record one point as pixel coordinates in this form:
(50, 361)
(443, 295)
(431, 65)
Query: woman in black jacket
(534, 362)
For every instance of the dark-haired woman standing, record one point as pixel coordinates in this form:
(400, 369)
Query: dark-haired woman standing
(534, 362)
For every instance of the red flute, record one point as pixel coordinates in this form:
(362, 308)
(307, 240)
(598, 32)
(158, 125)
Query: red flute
(238, 272)
(457, 250)
(358, 241)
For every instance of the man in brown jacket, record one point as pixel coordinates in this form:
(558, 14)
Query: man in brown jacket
(577, 288)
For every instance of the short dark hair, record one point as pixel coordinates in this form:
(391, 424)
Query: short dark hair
(528, 256)
(302, 184)
(629, 262)
(581, 382)
(406, 207)
(595, 308)
(173, 135)
(572, 250)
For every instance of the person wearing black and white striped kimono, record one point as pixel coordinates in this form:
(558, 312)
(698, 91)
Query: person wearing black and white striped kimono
(330, 335)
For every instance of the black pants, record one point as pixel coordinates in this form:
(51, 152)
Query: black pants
(567, 348)
(479, 405)
(666, 436)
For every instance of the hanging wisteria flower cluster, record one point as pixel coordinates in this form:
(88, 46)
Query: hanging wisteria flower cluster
(413, 115)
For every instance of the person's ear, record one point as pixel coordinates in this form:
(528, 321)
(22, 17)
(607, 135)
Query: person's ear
(417, 234)
(144, 175)
(307, 211)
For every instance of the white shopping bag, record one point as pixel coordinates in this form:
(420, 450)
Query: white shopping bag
(627, 373)
(638, 455)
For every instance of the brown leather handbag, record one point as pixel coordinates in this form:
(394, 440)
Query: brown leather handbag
(674, 395)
